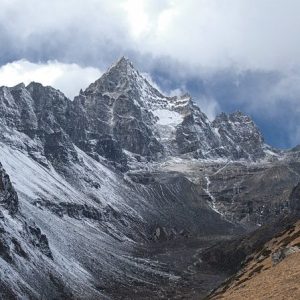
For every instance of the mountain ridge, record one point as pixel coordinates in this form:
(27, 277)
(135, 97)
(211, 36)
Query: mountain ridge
(121, 100)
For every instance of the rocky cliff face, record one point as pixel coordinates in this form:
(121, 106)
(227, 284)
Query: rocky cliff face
(122, 101)
(295, 200)
(165, 125)
(239, 135)
(8, 196)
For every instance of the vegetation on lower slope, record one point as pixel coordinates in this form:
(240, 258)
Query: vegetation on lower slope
(272, 272)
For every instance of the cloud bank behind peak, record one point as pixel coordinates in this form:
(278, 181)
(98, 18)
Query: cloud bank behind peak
(228, 54)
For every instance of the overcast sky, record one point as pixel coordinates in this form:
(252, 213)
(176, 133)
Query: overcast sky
(229, 54)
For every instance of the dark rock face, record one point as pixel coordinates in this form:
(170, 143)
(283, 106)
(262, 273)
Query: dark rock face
(239, 136)
(59, 148)
(17, 109)
(196, 135)
(50, 107)
(6, 292)
(127, 103)
(282, 253)
(114, 105)
(8, 196)
(295, 200)
(256, 193)
(40, 113)
(110, 148)
(4, 249)
(38, 239)
(90, 130)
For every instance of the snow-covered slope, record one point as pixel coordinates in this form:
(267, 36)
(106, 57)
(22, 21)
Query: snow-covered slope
(83, 225)
(72, 229)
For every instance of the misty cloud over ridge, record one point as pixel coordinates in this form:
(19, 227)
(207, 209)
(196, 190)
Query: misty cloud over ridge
(229, 55)
(68, 78)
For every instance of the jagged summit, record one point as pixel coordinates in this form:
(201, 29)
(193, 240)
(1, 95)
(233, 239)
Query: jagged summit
(152, 118)
(123, 62)
(122, 76)
(18, 86)
(236, 116)
(123, 66)
(240, 135)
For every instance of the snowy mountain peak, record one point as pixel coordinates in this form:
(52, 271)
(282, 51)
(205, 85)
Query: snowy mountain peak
(122, 67)
(120, 75)
(123, 113)
(123, 63)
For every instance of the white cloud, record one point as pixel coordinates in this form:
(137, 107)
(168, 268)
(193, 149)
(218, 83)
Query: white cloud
(213, 33)
(174, 40)
(68, 78)
(295, 136)
(148, 77)
(209, 106)
(176, 92)
(208, 33)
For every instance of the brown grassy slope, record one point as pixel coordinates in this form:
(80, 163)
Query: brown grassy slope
(271, 273)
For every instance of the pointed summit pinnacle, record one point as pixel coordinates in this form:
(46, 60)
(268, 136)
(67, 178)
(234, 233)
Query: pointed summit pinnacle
(123, 59)
(123, 63)
(122, 69)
